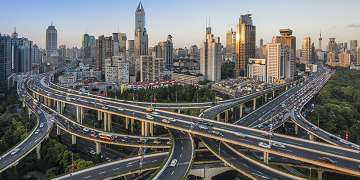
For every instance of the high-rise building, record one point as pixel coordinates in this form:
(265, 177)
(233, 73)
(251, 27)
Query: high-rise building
(245, 44)
(353, 45)
(261, 42)
(54, 60)
(140, 35)
(35, 56)
(103, 50)
(344, 56)
(51, 41)
(165, 50)
(332, 45)
(62, 53)
(210, 57)
(306, 51)
(257, 69)
(116, 70)
(287, 39)
(274, 62)
(131, 47)
(21, 54)
(151, 69)
(88, 45)
(345, 45)
(5, 62)
(193, 49)
(230, 42)
(358, 55)
(119, 40)
(289, 63)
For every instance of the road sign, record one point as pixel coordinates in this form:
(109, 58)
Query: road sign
(145, 139)
(191, 125)
(144, 149)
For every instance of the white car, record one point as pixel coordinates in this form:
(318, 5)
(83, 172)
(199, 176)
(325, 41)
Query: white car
(39, 112)
(86, 129)
(104, 107)
(240, 135)
(203, 127)
(154, 112)
(355, 146)
(264, 145)
(41, 125)
(315, 128)
(92, 152)
(165, 121)
(344, 142)
(150, 117)
(172, 119)
(15, 151)
(173, 163)
(37, 131)
(279, 145)
(121, 108)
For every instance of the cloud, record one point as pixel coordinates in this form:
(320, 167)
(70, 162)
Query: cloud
(336, 26)
(353, 25)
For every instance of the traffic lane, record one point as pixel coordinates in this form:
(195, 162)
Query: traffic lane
(272, 157)
(182, 152)
(116, 168)
(241, 162)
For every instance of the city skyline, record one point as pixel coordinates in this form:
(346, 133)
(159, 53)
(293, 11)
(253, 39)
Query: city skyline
(186, 28)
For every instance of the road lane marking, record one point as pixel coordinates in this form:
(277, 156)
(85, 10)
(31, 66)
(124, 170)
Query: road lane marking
(115, 169)
(154, 160)
(102, 172)
(87, 177)
(180, 155)
(172, 173)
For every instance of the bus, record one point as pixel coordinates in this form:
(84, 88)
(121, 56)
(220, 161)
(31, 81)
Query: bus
(106, 136)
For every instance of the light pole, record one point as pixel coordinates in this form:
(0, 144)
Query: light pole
(310, 174)
(219, 146)
(94, 131)
(72, 162)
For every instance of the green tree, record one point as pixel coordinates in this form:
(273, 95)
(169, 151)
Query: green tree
(50, 173)
(79, 164)
(65, 158)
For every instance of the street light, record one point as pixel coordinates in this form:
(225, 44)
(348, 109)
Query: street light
(310, 174)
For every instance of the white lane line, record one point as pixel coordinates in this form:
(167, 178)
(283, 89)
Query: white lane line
(172, 173)
(294, 143)
(182, 148)
(245, 165)
(87, 177)
(154, 160)
(336, 152)
(115, 169)
(102, 172)
(132, 162)
(180, 155)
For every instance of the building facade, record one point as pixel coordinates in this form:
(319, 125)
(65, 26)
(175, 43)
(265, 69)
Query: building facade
(21, 54)
(257, 69)
(332, 45)
(306, 51)
(151, 69)
(210, 57)
(103, 50)
(186, 78)
(165, 50)
(275, 62)
(245, 44)
(5, 62)
(140, 35)
(287, 39)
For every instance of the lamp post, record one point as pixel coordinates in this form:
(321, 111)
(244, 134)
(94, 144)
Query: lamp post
(310, 174)
(94, 131)
(72, 162)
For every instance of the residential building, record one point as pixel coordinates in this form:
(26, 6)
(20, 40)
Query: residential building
(257, 69)
(190, 78)
(62, 53)
(275, 62)
(21, 54)
(103, 50)
(210, 57)
(332, 45)
(306, 57)
(35, 55)
(88, 45)
(180, 52)
(245, 44)
(344, 56)
(119, 40)
(289, 63)
(353, 45)
(130, 47)
(165, 50)
(5, 62)
(117, 70)
(330, 57)
(151, 69)
(194, 50)
(54, 60)
(140, 35)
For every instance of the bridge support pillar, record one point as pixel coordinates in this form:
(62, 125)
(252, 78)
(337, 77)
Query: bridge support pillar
(320, 174)
(179, 110)
(78, 114)
(296, 129)
(49, 102)
(218, 117)
(127, 123)
(38, 155)
(241, 108)
(265, 97)
(132, 125)
(151, 129)
(23, 104)
(58, 133)
(58, 106)
(73, 146)
(226, 116)
(254, 104)
(45, 101)
(311, 137)
(62, 107)
(29, 112)
(266, 157)
(98, 152)
(109, 119)
(273, 94)
(286, 88)
(81, 114)
(105, 121)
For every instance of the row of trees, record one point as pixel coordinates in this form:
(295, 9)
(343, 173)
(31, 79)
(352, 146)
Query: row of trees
(227, 71)
(167, 94)
(339, 107)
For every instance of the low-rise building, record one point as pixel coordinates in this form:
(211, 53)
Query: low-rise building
(66, 79)
(187, 78)
(257, 69)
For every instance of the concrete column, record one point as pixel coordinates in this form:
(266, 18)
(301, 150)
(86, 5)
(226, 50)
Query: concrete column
(241, 108)
(49, 102)
(286, 88)
(233, 112)
(99, 115)
(311, 137)
(266, 157)
(62, 104)
(105, 121)
(151, 129)
(23, 104)
(45, 101)
(254, 104)
(98, 152)
(78, 114)
(109, 121)
(58, 132)
(29, 112)
(142, 128)
(58, 106)
(296, 129)
(226, 116)
(81, 114)
(127, 123)
(132, 127)
(146, 128)
(266, 97)
(38, 155)
(273, 94)
(73, 146)
(218, 117)
(179, 111)
(320, 174)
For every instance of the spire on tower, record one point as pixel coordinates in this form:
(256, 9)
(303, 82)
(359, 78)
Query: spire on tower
(140, 8)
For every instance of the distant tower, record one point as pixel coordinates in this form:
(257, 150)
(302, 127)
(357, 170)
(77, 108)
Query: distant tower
(261, 42)
(141, 37)
(320, 41)
(14, 34)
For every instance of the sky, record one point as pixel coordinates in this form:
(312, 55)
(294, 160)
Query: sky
(185, 20)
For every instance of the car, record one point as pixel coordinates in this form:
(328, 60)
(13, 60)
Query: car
(203, 127)
(172, 119)
(104, 107)
(217, 133)
(150, 117)
(327, 160)
(264, 145)
(37, 131)
(208, 123)
(267, 134)
(315, 128)
(238, 134)
(108, 159)
(149, 110)
(121, 108)
(85, 129)
(173, 163)
(344, 142)
(67, 121)
(15, 151)
(333, 137)
(92, 152)
(41, 125)
(260, 126)
(200, 121)
(157, 141)
(165, 121)
(39, 112)
(278, 145)
(355, 146)
(154, 112)
(141, 141)
(125, 140)
(169, 141)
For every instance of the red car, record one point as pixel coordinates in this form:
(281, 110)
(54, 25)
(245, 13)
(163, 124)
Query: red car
(327, 160)
(67, 121)
(266, 134)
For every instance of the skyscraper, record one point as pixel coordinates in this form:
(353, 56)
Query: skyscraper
(230, 39)
(332, 45)
(274, 62)
(261, 42)
(287, 39)
(51, 38)
(306, 51)
(140, 35)
(21, 54)
(165, 50)
(88, 45)
(119, 40)
(245, 44)
(5, 62)
(353, 45)
(103, 50)
(35, 56)
(210, 57)
(131, 47)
